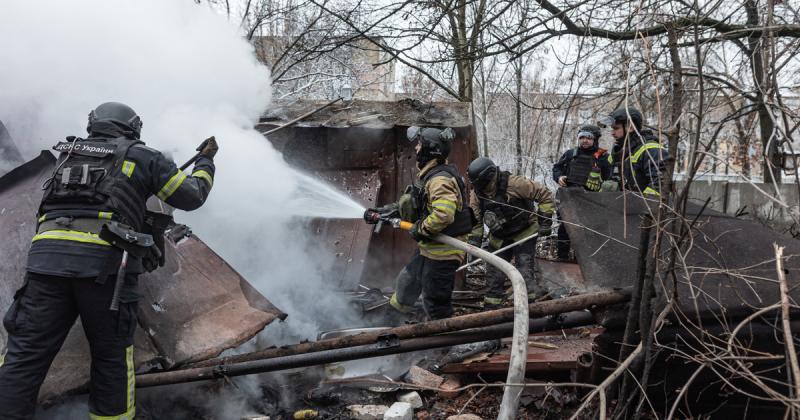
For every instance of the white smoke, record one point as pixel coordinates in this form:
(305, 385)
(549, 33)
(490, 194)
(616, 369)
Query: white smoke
(189, 74)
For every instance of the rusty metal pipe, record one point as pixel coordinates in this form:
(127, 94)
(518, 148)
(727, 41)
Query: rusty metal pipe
(388, 347)
(424, 329)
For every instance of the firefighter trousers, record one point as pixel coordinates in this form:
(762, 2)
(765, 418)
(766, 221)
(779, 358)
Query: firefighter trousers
(524, 256)
(41, 315)
(434, 279)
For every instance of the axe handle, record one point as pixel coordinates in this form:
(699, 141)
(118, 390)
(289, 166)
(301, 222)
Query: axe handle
(190, 161)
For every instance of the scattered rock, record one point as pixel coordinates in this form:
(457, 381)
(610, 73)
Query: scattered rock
(449, 388)
(399, 411)
(421, 377)
(465, 417)
(367, 412)
(412, 398)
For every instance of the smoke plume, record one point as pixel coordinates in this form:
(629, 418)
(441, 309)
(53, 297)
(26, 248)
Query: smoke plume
(189, 74)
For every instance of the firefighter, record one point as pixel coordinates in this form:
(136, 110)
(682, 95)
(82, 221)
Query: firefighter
(436, 204)
(505, 204)
(71, 271)
(586, 167)
(637, 158)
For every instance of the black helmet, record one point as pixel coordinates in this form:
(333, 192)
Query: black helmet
(115, 118)
(435, 142)
(620, 116)
(481, 172)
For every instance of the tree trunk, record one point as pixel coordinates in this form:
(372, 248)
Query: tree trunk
(518, 140)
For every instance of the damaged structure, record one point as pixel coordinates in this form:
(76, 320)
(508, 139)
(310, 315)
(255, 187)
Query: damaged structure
(723, 295)
(360, 147)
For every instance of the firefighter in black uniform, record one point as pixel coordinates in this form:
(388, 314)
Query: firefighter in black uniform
(637, 158)
(98, 182)
(585, 166)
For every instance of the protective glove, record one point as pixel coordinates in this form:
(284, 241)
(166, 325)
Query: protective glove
(594, 181)
(610, 185)
(545, 225)
(416, 232)
(208, 147)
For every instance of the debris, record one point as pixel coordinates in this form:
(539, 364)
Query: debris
(367, 412)
(305, 414)
(465, 417)
(547, 352)
(255, 417)
(542, 345)
(423, 415)
(412, 398)
(421, 377)
(481, 357)
(399, 411)
(449, 388)
(461, 352)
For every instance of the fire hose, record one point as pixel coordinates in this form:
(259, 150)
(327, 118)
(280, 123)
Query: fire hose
(519, 340)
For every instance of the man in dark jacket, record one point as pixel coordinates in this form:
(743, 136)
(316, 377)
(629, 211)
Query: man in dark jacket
(98, 182)
(585, 166)
(637, 158)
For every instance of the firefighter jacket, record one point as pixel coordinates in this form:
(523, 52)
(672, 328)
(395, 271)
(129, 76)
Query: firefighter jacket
(511, 200)
(110, 180)
(641, 164)
(579, 164)
(442, 204)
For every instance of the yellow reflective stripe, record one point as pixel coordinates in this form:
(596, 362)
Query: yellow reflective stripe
(128, 415)
(447, 204)
(546, 208)
(43, 218)
(647, 146)
(445, 252)
(399, 306)
(131, 380)
(2, 359)
(204, 175)
(71, 235)
(128, 167)
(171, 186)
(493, 300)
(105, 215)
(649, 190)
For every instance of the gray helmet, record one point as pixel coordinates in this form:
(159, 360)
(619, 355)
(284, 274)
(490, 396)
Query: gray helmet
(592, 131)
(115, 116)
(481, 172)
(620, 116)
(435, 142)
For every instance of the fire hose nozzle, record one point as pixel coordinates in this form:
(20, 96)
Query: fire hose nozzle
(372, 217)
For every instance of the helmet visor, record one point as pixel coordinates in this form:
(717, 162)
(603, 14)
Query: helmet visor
(587, 134)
